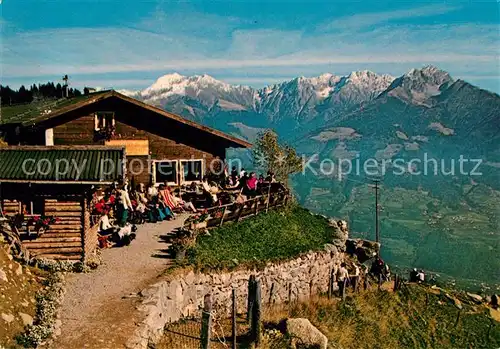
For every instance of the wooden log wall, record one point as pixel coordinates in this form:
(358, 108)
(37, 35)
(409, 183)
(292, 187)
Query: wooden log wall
(11, 207)
(64, 238)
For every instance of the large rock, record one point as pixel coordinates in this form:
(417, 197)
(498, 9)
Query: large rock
(3, 276)
(340, 233)
(27, 319)
(8, 318)
(475, 297)
(362, 249)
(305, 334)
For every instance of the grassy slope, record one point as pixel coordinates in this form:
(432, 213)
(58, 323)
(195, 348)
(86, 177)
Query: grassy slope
(386, 320)
(424, 231)
(275, 235)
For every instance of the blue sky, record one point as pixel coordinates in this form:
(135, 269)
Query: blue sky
(128, 44)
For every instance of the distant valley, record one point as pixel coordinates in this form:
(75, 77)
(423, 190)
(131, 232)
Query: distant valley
(446, 222)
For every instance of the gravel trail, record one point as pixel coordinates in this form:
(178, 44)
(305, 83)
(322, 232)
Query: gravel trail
(99, 308)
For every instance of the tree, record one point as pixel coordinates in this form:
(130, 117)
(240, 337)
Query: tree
(272, 156)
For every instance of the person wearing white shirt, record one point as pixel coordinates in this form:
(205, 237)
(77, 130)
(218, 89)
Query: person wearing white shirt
(152, 192)
(212, 191)
(123, 205)
(342, 276)
(105, 227)
(355, 278)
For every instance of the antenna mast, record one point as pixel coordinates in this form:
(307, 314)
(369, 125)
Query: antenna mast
(65, 86)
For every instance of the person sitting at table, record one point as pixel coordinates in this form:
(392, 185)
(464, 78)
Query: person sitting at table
(234, 175)
(105, 227)
(261, 178)
(243, 181)
(210, 192)
(151, 192)
(165, 202)
(139, 195)
(270, 177)
(178, 203)
(250, 188)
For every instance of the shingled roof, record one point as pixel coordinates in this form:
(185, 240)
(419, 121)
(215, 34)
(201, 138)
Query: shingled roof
(61, 164)
(32, 114)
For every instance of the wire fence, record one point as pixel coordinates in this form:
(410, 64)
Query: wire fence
(186, 334)
(208, 329)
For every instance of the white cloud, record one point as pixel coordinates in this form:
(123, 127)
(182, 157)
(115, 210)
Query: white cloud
(364, 20)
(463, 49)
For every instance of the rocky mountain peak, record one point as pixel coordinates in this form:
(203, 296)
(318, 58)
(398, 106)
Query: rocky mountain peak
(418, 85)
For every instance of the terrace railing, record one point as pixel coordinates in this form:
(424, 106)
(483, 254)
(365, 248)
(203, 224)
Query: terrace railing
(234, 212)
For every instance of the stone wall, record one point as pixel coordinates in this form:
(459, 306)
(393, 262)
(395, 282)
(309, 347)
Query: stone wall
(182, 296)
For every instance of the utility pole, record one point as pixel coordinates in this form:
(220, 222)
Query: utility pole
(377, 232)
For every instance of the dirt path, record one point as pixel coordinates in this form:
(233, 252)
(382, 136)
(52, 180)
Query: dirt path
(98, 311)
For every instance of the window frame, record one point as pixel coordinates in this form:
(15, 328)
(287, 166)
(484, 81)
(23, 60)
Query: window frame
(181, 171)
(102, 116)
(154, 164)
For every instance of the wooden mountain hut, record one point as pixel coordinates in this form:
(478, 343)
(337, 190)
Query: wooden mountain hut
(54, 184)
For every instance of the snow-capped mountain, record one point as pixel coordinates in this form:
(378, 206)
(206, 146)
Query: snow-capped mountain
(297, 100)
(203, 88)
(295, 106)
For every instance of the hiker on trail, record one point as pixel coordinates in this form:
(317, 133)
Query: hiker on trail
(342, 276)
(386, 272)
(494, 301)
(355, 278)
(378, 266)
(421, 276)
(414, 275)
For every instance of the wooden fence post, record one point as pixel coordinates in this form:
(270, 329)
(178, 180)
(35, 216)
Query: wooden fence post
(290, 293)
(458, 317)
(240, 212)
(271, 293)
(268, 197)
(235, 309)
(222, 216)
(343, 286)
(206, 322)
(256, 326)
(330, 283)
(396, 282)
(251, 298)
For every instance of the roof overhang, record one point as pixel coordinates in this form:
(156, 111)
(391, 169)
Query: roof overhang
(234, 142)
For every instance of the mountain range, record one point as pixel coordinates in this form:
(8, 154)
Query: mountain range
(446, 221)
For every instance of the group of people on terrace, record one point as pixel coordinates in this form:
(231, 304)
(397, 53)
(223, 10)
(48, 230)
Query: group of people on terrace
(127, 204)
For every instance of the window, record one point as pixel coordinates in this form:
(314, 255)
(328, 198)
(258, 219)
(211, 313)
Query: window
(34, 206)
(37, 206)
(166, 171)
(104, 120)
(192, 170)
